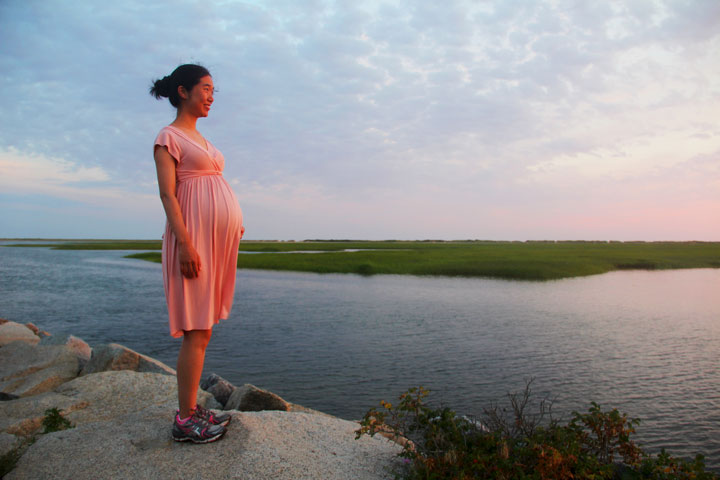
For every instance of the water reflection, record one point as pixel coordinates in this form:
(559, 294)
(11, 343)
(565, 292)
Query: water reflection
(647, 343)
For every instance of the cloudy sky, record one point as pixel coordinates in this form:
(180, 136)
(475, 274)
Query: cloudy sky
(407, 119)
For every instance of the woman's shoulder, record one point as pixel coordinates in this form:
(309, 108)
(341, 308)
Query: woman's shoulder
(169, 133)
(168, 130)
(168, 137)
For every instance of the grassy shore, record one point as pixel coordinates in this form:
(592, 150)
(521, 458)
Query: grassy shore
(93, 244)
(509, 260)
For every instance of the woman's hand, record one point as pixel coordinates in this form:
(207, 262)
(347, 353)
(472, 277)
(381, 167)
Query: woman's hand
(189, 261)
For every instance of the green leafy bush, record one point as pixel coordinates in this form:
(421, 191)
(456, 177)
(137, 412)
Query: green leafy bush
(517, 444)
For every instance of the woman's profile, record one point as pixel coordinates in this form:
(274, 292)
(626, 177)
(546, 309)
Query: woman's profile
(200, 244)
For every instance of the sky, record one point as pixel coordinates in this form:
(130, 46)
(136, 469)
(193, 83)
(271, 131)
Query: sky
(407, 119)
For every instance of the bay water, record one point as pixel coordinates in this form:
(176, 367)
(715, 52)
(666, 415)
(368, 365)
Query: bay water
(645, 342)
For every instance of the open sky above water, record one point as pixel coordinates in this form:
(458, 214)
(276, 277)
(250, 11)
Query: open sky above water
(373, 119)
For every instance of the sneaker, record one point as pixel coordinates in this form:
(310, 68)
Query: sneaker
(196, 430)
(212, 417)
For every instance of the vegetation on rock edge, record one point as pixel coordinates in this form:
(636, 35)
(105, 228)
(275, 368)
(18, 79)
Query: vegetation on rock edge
(53, 421)
(516, 444)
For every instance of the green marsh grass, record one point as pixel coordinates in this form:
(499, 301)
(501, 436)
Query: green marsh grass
(508, 260)
(96, 245)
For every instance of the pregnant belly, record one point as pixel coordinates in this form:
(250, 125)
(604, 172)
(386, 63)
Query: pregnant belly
(209, 204)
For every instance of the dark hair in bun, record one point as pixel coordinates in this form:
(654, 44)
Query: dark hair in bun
(187, 76)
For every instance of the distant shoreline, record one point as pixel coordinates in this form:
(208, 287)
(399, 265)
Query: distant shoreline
(510, 260)
(348, 240)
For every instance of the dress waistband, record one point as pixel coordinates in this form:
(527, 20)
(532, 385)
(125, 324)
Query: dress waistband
(184, 175)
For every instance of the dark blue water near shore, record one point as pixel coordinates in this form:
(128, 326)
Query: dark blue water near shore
(647, 343)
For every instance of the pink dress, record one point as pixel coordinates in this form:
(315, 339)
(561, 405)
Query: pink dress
(213, 219)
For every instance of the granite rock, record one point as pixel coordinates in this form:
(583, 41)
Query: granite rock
(36, 330)
(16, 332)
(220, 388)
(250, 398)
(27, 369)
(33, 328)
(113, 356)
(122, 409)
(8, 442)
(258, 445)
(97, 397)
(77, 345)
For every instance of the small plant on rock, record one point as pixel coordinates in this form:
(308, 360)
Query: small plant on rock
(54, 421)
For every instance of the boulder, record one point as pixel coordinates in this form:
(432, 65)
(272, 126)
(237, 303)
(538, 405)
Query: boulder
(250, 398)
(8, 442)
(220, 388)
(77, 345)
(119, 357)
(257, 445)
(23, 416)
(97, 397)
(15, 332)
(33, 328)
(36, 330)
(27, 369)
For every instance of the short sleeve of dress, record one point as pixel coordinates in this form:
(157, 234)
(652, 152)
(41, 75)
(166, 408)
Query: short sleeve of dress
(166, 139)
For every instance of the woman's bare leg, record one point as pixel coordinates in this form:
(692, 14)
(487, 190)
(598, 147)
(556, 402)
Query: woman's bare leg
(189, 368)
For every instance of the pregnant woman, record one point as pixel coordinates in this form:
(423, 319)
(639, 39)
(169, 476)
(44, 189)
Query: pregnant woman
(200, 244)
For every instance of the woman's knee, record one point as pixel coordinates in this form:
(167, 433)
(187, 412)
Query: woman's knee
(198, 338)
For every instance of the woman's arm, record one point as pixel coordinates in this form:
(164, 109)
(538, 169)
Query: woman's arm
(189, 258)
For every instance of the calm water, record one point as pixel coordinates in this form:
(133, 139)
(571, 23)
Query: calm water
(647, 343)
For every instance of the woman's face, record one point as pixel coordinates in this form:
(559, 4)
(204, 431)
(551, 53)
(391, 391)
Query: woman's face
(198, 101)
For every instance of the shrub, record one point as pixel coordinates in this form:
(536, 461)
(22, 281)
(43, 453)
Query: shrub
(517, 444)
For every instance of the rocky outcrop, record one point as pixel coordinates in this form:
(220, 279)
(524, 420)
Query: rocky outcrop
(94, 398)
(27, 369)
(253, 399)
(258, 445)
(220, 388)
(119, 357)
(8, 442)
(36, 330)
(15, 332)
(248, 398)
(81, 349)
(122, 408)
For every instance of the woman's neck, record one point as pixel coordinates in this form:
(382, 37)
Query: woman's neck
(185, 121)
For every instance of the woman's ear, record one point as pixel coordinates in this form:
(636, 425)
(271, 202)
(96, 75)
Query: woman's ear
(182, 91)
